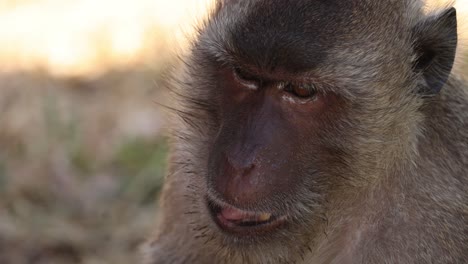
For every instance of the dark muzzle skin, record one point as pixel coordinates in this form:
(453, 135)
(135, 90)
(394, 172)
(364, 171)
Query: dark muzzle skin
(248, 168)
(250, 160)
(255, 163)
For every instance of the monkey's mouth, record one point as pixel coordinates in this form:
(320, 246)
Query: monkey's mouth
(244, 223)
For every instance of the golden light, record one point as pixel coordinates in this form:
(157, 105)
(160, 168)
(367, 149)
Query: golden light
(86, 36)
(83, 36)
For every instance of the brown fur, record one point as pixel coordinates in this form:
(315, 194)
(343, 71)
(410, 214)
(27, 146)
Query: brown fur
(396, 190)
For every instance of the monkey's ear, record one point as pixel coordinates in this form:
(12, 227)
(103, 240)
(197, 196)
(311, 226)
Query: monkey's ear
(435, 46)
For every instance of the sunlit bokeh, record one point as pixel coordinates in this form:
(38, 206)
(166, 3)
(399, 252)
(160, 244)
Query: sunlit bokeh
(83, 36)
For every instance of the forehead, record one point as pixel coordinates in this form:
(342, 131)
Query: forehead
(294, 34)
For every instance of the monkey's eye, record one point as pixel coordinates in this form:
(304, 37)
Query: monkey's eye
(246, 78)
(301, 91)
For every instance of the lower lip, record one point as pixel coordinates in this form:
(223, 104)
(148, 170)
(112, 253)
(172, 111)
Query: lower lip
(232, 228)
(253, 230)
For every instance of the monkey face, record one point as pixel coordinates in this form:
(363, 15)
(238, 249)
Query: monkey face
(272, 119)
(272, 127)
(267, 148)
(284, 113)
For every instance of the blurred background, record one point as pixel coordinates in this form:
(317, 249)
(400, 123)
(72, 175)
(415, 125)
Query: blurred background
(82, 145)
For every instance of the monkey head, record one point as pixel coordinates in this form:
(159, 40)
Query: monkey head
(288, 105)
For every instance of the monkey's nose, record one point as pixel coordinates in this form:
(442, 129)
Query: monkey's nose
(240, 184)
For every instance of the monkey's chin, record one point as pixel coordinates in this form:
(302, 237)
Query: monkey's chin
(240, 223)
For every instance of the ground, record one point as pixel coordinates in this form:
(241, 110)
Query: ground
(81, 165)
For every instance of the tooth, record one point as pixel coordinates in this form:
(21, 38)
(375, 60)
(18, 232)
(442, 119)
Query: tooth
(264, 217)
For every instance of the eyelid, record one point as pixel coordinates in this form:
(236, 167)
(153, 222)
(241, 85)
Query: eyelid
(306, 85)
(244, 77)
(311, 87)
(243, 74)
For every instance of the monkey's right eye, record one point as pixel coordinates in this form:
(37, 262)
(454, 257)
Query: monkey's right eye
(246, 78)
(301, 91)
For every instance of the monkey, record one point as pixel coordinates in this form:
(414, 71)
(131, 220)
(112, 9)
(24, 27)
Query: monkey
(317, 131)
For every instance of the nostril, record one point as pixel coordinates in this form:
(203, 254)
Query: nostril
(237, 180)
(238, 169)
(242, 163)
(249, 169)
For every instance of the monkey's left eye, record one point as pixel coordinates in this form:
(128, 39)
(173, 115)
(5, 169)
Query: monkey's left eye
(301, 91)
(246, 77)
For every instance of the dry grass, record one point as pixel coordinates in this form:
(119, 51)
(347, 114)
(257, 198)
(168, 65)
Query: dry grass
(81, 164)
